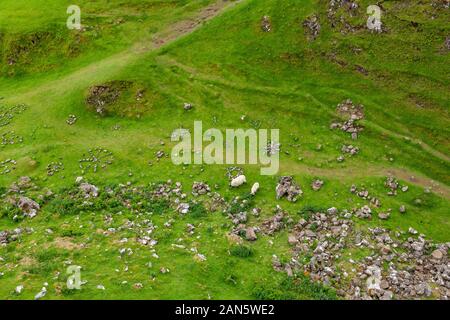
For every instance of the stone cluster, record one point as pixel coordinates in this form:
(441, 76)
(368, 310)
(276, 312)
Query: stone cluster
(6, 166)
(9, 138)
(351, 114)
(322, 242)
(312, 27)
(54, 167)
(96, 158)
(288, 188)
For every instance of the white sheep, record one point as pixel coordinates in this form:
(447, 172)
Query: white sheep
(255, 188)
(238, 181)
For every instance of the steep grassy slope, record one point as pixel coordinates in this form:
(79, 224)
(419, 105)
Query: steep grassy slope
(227, 68)
(34, 37)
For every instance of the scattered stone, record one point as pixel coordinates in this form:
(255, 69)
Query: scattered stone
(266, 24)
(350, 149)
(95, 159)
(4, 237)
(138, 286)
(183, 208)
(102, 96)
(29, 207)
(423, 289)
(364, 194)
(409, 273)
(8, 236)
(256, 212)
(10, 138)
(273, 148)
(292, 240)
(383, 216)
(19, 289)
(250, 234)
(54, 167)
(288, 188)
(7, 166)
(200, 188)
(89, 190)
(41, 294)
(447, 43)
(276, 263)
(392, 184)
(332, 211)
(71, 120)
(239, 218)
(187, 106)
(199, 257)
(351, 114)
(274, 224)
(8, 113)
(317, 185)
(340, 13)
(164, 270)
(364, 212)
(312, 27)
(190, 228)
(437, 254)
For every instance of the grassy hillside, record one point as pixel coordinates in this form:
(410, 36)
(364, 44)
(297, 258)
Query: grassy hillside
(146, 58)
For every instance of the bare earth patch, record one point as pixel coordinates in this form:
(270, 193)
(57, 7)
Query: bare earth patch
(66, 243)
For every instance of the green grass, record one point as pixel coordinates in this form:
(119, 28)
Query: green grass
(227, 68)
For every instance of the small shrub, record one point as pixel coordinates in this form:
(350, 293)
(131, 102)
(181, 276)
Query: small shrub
(157, 206)
(10, 211)
(63, 206)
(240, 206)
(293, 288)
(231, 279)
(262, 291)
(71, 233)
(197, 210)
(241, 251)
(308, 210)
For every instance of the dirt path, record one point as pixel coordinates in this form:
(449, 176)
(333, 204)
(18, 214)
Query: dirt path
(348, 174)
(186, 27)
(416, 141)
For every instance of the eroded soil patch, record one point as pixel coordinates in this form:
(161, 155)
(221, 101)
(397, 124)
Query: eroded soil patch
(122, 98)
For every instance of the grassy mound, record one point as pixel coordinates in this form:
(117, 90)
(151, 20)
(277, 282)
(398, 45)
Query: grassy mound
(119, 98)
